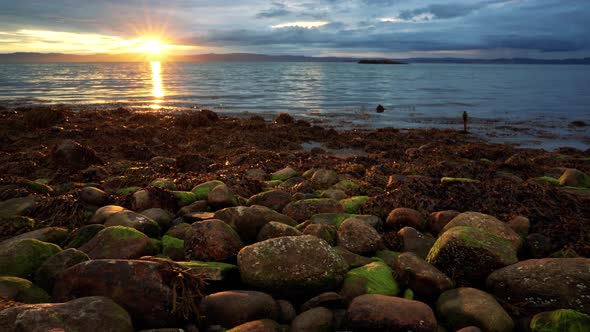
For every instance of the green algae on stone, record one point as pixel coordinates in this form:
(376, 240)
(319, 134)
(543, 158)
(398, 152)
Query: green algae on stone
(154, 247)
(127, 190)
(334, 219)
(17, 206)
(47, 273)
(15, 225)
(21, 258)
(562, 320)
(346, 185)
(283, 174)
(375, 278)
(272, 184)
(546, 180)
(212, 271)
(164, 184)
(202, 190)
(447, 179)
(173, 247)
(185, 197)
(117, 242)
(36, 187)
(353, 204)
(22, 290)
(409, 294)
(574, 178)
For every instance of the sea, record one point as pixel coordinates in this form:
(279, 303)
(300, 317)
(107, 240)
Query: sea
(545, 106)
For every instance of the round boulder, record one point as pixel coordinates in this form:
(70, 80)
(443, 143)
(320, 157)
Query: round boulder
(212, 240)
(358, 237)
(232, 308)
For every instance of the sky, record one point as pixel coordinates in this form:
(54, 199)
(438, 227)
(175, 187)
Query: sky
(547, 29)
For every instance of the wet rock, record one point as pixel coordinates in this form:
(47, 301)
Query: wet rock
(375, 312)
(93, 196)
(520, 225)
(358, 237)
(463, 307)
(188, 211)
(56, 264)
(180, 230)
(261, 325)
(560, 320)
(213, 271)
(324, 178)
(103, 213)
(184, 198)
(91, 314)
(335, 194)
(274, 199)
(373, 278)
(202, 190)
(16, 206)
(154, 198)
(283, 119)
(15, 225)
(293, 264)
(82, 235)
(232, 308)
(55, 235)
(73, 155)
(173, 247)
(321, 231)
(438, 220)
(283, 174)
(353, 204)
(353, 260)
(416, 242)
(276, 229)
(303, 209)
(538, 245)
(212, 240)
(486, 223)
(425, 280)
(574, 178)
(221, 196)
(468, 255)
(286, 311)
(248, 221)
(22, 290)
(21, 258)
(160, 216)
(134, 220)
(116, 242)
(400, 217)
(545, 284)
(317, 319)
(143, 288)
(256, 174)
(330, 300)
(348, 186)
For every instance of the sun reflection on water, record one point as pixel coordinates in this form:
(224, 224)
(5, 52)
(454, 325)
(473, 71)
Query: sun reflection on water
(157, 87)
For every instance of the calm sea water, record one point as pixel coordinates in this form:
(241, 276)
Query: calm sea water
(522, 104)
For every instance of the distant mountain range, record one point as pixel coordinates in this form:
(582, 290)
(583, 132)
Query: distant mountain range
(250, 57)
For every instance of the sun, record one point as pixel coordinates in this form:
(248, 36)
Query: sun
(152, 47)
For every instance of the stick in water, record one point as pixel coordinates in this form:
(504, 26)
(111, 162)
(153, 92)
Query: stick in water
(464, 121)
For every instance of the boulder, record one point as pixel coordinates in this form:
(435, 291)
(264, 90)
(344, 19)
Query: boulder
(56, 264)
(358, 237)
(17, 206)
(102, 214)
(283, 174)
(93, 196)
(566, 320)
(248, 221)
(202, 190)
(520, 225)
(329, 300)
(232, 308)
(423, 279)
(55, 235)
(317, 319)
(373, 278)
(89, 314)
(275, 199)
(353, 260)
(438, 220)
(117, 242)
(73, 155)
(221, 196)
(14, 225)
(155, 293)
(22, 290)
(276, 229)
(260, 325)
(544, 284)
(212, 240)
(335, 194)
(468, 255)
(353, 204)
(486, 223)
(323, 178)
(303, 209)
(173, 247)
(82, 235)
(400, 217)
(286, 311)
(134, 220)
(416, 242)
(322, 231)
(160, 216)
(463, 307)
(375, 312)
(291, 265)
(574, 178)
(21, 258)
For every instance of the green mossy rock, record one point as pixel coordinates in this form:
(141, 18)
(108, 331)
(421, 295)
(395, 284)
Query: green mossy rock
(202, 191)
(447, 179)
(283, 174)
(56, 264)
(408, 294)
(134, 220)
(36, 187)
(127, 190)
(11, 226)
(21, 258)
(574, 178)
(304, 209)
(164, 184)
(373, 278)
(323, 178)
(545, 180)
(347, 186)
(185, 197)
(213, 271)
(334, 219)
(83, 235)
(469, 254)
(353, 204)
(16, 206)
(154, 247)
(173, 247)
(117, 242)
(562, 320)
(22, 290)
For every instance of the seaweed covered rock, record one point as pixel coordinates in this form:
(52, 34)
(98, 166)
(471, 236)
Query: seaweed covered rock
(424, 279)
(73, 155)
(375, 312)
(303, 209)
(82, 235)
(15, 225)
(358, 237)
(155, 293)
(566, 320)
(56, 264)
(212, 240)
(486, 223)
(232, 308)
(468, 255)
(323, 178)
(544, 284)
(373, 278)
(90, 314)
(353, 204)
(17, 206)
(134, 220)
(463, 307)
(291, 265)
(21, 258)
(117, 242)
(55, 235)
(275, 199)
(22, 290)
(248, 221)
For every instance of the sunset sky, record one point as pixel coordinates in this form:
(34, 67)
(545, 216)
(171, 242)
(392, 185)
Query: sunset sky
(391, 28)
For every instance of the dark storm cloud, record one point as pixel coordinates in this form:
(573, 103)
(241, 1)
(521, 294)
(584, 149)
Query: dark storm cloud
(278, 9)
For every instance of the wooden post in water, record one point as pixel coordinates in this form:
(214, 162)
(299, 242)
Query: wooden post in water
(465, 117)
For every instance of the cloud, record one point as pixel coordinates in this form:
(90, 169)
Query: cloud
(445, 11)
(278, 9)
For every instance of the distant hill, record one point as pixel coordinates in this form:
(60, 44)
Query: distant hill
(380, 62)
(251, 57)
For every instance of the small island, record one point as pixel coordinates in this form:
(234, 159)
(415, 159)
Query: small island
(380, 62)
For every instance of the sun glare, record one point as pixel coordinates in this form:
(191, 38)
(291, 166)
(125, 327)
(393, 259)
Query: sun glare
(152, 46)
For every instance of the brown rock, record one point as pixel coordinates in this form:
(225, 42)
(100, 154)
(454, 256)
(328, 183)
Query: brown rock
(414, 241)
(303, 209)
(71, 154)
(274, 199)
(248, 221)
(358, 237)
(276, 229)
(261, 325)
(438, 220)
(400, 217)
(424, 279)
(232, 308)
(317, 319)
(486, 223)
(212, 240)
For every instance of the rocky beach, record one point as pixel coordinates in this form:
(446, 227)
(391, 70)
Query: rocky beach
(118, 220)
